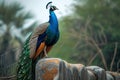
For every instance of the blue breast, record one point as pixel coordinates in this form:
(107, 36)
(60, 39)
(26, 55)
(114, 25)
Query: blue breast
(52, 31)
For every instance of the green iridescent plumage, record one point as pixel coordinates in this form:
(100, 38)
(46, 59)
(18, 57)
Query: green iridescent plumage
(24, 63)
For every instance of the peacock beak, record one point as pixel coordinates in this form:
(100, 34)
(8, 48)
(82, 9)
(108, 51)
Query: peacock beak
(56, 8)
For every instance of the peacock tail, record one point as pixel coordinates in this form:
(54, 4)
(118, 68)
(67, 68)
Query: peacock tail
(26, 65)
(24, 70)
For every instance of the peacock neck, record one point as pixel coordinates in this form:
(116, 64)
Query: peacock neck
(53, 20)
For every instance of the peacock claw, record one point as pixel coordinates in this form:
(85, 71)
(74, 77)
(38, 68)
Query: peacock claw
(46, 57)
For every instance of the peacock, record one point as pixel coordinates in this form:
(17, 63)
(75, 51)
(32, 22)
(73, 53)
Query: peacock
(37, 45)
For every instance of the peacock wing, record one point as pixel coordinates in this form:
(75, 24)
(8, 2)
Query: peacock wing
(34, 37)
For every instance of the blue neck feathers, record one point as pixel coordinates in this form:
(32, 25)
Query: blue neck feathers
(53, 20)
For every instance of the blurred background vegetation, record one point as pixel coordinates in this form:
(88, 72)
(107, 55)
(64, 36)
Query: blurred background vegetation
(89, 35)
(12, 32)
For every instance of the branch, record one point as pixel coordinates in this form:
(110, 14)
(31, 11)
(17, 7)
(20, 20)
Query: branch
(118, 65)
(10, 77)
(100, 53)
(93, 58)
(115, 52)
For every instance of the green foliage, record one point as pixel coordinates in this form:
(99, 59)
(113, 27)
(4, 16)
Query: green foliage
(13, 17)
(105, 17)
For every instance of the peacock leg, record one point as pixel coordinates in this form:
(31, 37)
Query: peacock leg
(45, 52)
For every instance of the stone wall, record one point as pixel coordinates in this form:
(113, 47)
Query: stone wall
(57, 69)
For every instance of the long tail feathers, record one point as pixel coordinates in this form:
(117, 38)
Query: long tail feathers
(24, 63)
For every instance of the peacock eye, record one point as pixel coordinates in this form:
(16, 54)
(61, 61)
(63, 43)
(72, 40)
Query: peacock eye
(52, 8)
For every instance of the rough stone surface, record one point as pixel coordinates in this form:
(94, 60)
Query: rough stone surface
(57, 69)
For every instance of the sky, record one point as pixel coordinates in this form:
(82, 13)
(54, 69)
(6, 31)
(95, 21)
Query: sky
(38, 8)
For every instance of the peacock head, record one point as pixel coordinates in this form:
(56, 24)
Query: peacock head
(52, 7)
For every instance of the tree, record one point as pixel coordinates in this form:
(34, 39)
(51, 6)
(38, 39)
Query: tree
(13, 18)
(95, 26)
